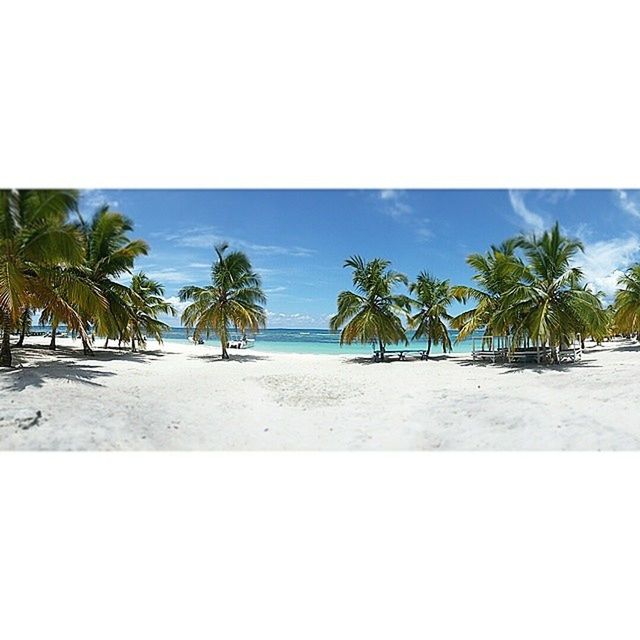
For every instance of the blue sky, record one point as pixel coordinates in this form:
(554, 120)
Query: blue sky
(298, 239)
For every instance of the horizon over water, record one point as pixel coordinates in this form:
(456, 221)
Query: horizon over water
(316, 341)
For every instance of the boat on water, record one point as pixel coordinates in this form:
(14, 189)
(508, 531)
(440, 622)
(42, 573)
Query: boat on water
(241, 342)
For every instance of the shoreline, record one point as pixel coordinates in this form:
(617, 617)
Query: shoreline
(184, 397)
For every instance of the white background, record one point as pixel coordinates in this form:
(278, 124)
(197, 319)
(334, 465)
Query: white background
(332, 94)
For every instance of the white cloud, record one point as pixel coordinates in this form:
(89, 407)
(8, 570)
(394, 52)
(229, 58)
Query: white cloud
(92, 199)
(206, 237)
(296, 320)
(180, 306)
(174, 276)
(394, 203)
(423, 231)
(533, 221)
(604, 261)
(554, 196)
(265, 272)
(275, 290)
(627, 203)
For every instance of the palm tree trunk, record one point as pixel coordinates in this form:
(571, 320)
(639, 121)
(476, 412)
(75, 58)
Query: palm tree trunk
(106, 343)
(381, 349)
(86, 347)
(428, 346)
(23, 328)
(224, 338)
(5, 351)
(133, 344)
(54, 330)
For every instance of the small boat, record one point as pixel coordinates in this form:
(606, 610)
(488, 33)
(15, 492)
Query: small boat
(240, 343)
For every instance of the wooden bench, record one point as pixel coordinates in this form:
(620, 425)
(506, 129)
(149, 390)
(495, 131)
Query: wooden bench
(530, 355)
(570, 355)
(493, 356)
(401, 353)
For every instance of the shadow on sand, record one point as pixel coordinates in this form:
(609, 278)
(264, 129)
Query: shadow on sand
(241, 359)
(19, 379)
(368, 360)
(505, 367)
(62, 364)
(627, 347)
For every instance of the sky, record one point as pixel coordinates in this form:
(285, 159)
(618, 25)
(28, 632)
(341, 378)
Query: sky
(297, 240)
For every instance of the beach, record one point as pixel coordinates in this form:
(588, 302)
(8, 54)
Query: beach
(183, 397)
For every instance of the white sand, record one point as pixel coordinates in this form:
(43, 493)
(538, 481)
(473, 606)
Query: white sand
(184, 397)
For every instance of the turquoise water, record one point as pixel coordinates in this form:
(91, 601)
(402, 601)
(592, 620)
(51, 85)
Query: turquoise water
(320, 341)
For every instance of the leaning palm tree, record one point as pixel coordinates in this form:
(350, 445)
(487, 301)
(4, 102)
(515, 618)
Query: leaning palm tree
(70, 297)
(549, 303)
(35, 237)
(434, 297)
(496, 272)
(110, 254)
(234, 299)
(146, 303)
(627, 302)
(372, 313)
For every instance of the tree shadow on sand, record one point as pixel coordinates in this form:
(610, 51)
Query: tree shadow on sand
(35, 364)
(368, 360)
(20, 378)
(627, 347)
(42, 353)
(504, 367)
(218, 358)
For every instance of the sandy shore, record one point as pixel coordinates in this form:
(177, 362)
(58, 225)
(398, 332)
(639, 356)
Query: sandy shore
(182, 397)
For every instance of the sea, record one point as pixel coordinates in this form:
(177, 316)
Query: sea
(317, 341)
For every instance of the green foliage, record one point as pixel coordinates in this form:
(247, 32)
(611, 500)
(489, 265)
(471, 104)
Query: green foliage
(145, 303)
(109, 255)
(373, 311)
(38, 247)
(540, 296)
(496, 273)
(626, 307)
(71, 271)
(433, 298)
(234, 299)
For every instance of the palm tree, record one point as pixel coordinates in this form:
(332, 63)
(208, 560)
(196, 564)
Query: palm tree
(233, 299)
(145, 304)
(548, 304)
(25, 323)
(433, 296)
(75, 297)
(627, 302)
(372, 312)
(35, 237)
(597, 324)
(109, 255)
(497, 272)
